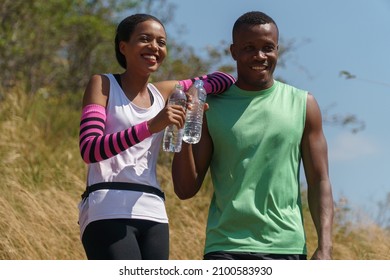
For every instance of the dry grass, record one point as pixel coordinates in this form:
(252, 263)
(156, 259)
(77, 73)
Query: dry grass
(40, 185)
(42, 177)
(187, 221)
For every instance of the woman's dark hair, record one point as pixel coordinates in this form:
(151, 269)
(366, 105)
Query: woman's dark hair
(124, 31)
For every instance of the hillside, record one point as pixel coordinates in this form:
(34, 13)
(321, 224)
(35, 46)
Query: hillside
(43, 177)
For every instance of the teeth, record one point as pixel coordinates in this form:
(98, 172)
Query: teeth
(264, 66)
(150, 57)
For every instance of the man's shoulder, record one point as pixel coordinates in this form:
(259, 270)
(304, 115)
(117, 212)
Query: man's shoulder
(283, 86)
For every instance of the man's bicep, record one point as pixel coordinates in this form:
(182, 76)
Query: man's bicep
(314, 146)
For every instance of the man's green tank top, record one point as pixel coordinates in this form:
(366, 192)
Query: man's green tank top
(256, 206)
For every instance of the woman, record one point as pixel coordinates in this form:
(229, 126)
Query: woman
(122, 214)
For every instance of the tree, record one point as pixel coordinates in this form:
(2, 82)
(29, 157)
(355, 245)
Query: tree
(55, 43)
(29, 40)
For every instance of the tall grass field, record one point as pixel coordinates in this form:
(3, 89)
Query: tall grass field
(42, 177)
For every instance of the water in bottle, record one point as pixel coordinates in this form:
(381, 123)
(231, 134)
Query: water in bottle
(173, 135)
(194, 117)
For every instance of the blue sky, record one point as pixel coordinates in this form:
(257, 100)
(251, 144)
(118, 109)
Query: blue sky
(330, 36)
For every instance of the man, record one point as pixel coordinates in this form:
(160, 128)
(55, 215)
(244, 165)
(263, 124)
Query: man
(254, 138)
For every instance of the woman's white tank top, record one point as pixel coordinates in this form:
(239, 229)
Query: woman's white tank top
(134, 165)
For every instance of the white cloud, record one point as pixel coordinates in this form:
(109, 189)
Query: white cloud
(347, 147)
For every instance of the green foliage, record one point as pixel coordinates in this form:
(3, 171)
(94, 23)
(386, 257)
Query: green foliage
(29, 39)
(89, 45)
(57, 45)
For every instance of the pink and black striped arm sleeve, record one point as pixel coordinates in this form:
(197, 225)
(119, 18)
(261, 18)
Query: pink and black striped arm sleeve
(214, 83)
(95, 146)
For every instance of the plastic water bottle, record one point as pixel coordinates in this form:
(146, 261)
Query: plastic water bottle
(194, 117)
(173, 135)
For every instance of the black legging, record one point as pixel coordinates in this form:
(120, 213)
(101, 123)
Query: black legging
(126, 239)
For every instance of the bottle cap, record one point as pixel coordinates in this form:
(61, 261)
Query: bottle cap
(198, 83)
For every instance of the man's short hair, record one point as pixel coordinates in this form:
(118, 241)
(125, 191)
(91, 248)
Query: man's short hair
(252, 18)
